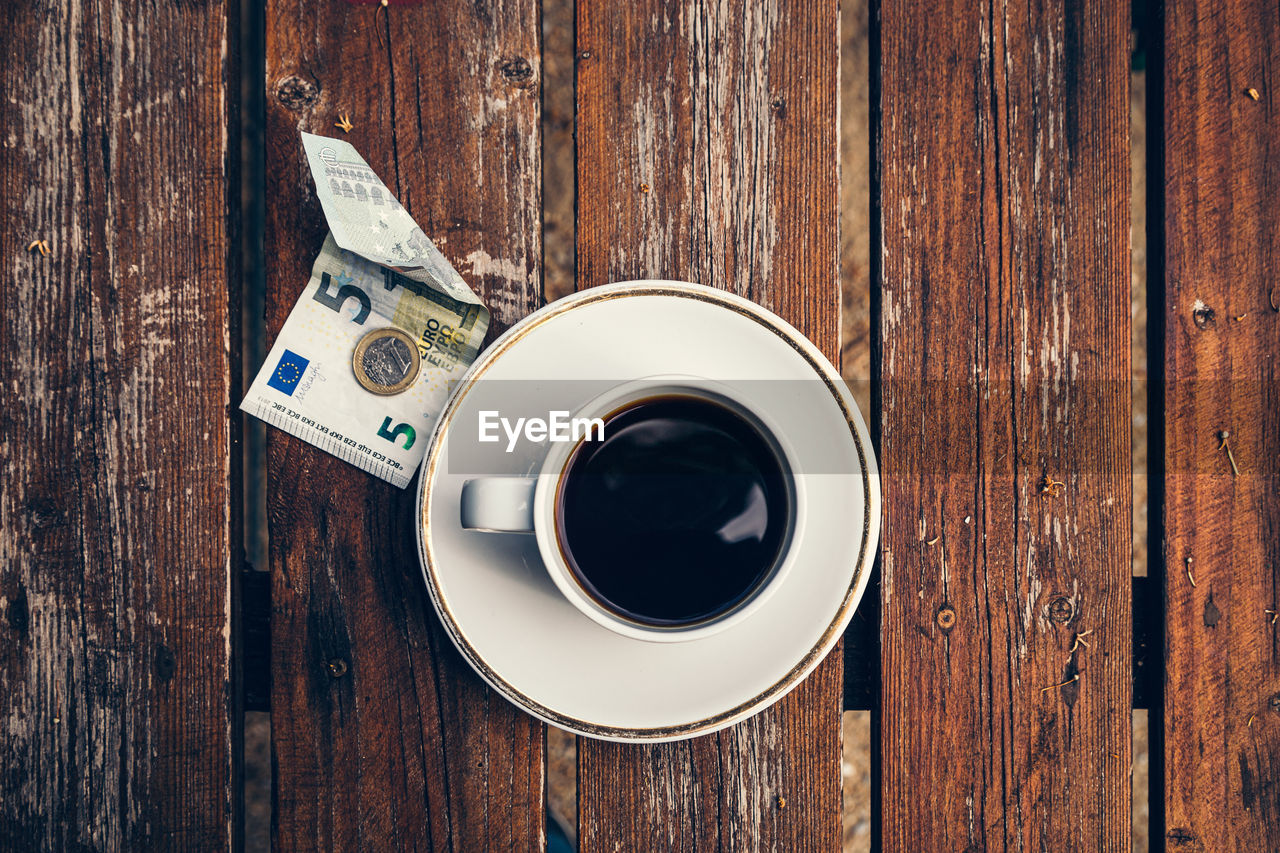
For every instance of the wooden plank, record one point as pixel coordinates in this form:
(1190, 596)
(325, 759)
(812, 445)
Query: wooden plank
(1003, 194)
(383, 737)
(1221, 170)
(708, 151)
(119, 501)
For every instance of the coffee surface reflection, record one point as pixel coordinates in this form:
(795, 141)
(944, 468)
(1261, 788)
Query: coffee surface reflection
(678, 516)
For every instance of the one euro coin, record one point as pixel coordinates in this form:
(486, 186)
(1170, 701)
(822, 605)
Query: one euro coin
(386, 361)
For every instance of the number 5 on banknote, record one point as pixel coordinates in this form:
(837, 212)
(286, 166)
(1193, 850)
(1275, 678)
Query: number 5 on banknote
(346, 290)
(390, 434)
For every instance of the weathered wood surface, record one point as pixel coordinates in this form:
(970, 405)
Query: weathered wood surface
(1003, 192)
(1222, 338)
(708, 151)
(383, 738)
(118, 504)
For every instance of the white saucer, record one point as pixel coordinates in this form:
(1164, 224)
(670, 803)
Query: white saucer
(528, 642)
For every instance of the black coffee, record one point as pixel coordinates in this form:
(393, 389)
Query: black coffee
(678, 515)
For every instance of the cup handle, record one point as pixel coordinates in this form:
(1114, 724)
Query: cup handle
(498, 504)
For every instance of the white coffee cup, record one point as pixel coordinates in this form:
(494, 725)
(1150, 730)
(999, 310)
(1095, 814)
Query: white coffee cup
(529, 505)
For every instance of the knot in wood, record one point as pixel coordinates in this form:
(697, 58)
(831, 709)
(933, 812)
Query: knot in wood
(19, 615)
(779, 107)
(337, 668)
(516, 70)
(295, 93)
(1060, 610)
(1203, 316)
(1212, 614)
(43, 514)
(946, 618)
(166, 663)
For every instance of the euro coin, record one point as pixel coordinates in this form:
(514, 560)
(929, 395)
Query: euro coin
(386, 361)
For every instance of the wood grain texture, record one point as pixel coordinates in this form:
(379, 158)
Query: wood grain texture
(118, 504)
(1222, 337)
(1003, 198)
(708, 151)
(383, 737)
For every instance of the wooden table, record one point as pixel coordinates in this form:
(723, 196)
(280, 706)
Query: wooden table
(707, 150)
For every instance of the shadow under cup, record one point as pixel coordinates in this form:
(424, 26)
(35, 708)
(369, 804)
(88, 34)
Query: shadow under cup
(680, 515)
